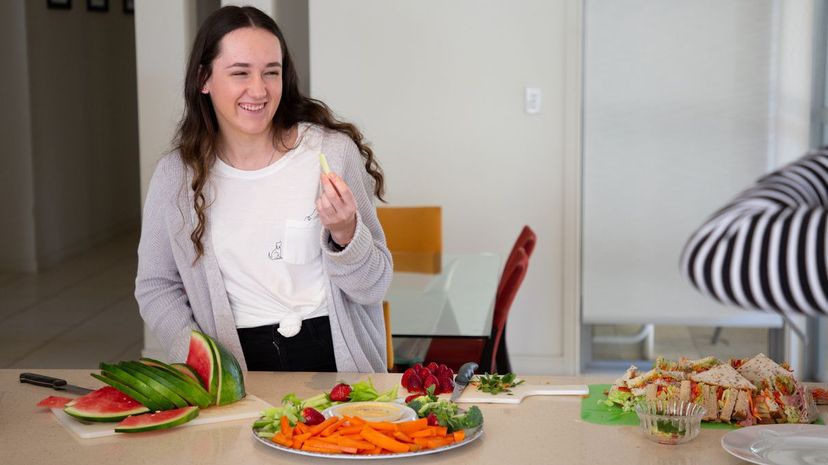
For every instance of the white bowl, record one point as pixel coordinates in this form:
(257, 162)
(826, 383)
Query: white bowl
(372, 411)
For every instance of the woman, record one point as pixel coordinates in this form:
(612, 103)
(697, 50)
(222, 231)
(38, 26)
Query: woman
(243, 236)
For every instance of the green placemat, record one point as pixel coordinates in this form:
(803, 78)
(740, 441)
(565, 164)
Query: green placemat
(593, 411)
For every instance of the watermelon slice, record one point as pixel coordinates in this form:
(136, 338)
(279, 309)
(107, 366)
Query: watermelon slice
(231, 381)
(54, 402)
(202, 358)
(105, 404)
(188, 371)
(158, 420)
(217, 367)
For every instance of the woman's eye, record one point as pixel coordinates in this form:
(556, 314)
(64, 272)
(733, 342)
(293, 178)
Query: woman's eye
(272, 73)
(240, 73)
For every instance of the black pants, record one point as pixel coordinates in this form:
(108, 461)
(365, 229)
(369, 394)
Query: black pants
(310, 350)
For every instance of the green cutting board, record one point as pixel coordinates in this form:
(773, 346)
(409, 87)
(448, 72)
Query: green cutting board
(594, 410)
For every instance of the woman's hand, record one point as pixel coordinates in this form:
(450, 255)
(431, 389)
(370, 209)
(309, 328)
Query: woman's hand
(337, 208)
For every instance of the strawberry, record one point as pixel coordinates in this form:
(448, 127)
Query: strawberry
(432, 367)
(432, 419)
(415, 383)
(312, 416)
(417, 367)
(444, 370)
(340, 393)
(413, 396)
(424, 373)
(407, 374)
(446, 384)
(431, 380)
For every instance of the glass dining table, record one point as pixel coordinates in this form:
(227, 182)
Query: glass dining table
(456, 302)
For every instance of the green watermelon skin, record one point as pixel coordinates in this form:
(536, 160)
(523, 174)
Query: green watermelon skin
(231, 379)
(105, 378)
(188, 371)
(154, 383)
(106, 404)
(192, 393)
(201, 394)
(203, 358)
(157, 401)
(156, 421)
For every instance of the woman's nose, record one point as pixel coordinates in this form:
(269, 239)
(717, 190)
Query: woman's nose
(257, 87)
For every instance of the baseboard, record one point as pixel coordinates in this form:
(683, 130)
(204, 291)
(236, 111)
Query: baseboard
(541, 364)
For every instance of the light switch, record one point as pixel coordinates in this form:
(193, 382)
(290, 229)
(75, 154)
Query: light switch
(532, 100)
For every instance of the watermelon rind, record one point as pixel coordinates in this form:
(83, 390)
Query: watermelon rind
(191, 393)
(87, 414)
(188, 371)
(150, 381)
(200, 393)
(155, 397)
(203, 358)
(104, 377)
(230, 380)
(156, 421)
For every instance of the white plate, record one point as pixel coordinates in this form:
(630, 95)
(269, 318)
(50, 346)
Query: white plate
(471, 435)
(373, 411)
(779, 444)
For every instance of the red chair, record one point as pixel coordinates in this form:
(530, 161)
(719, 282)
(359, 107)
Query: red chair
(490, 353)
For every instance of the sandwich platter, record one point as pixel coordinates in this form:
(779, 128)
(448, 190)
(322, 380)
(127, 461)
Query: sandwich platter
(744, 392)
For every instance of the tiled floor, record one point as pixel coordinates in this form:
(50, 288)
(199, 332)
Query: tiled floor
(74, 315)
(673, 342)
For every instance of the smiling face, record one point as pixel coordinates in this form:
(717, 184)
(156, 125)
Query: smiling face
(246, 82)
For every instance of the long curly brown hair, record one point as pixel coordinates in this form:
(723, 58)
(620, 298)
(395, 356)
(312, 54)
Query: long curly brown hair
(197, 135)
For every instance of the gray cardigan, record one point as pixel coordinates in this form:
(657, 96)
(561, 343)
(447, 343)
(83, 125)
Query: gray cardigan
(176, 295)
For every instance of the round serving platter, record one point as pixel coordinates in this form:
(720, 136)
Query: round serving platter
(471, 436)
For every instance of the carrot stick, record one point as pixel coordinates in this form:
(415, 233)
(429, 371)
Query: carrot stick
(359, 444)
(403, 437)
(374, 437)
(346, 430)
(383, 426)
(459, 435)
(300, 428)
(356, 421)
(439, 430)
(286, 430)
(280, 438)
(330, 429)
(299, 439)
(423, 433)
(321, 426)
(409, 427)
(316, 449)
(434, 443)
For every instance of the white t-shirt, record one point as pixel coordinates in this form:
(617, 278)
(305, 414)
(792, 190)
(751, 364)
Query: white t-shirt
(265, 232)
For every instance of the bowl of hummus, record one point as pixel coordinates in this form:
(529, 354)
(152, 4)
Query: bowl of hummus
(372, 411)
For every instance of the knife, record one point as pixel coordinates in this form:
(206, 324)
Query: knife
(54, 383)
(464, 376)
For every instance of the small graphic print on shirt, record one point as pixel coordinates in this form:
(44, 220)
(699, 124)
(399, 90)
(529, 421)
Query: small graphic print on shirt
(276, 253)
(313, 215)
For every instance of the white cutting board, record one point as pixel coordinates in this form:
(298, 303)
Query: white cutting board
(472, 395)
(249, 407)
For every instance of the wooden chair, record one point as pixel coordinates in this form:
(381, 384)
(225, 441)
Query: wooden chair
(490, 353)
(389, 351)
(414, 236)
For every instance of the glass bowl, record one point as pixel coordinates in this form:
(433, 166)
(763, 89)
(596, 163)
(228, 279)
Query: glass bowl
(670, 422)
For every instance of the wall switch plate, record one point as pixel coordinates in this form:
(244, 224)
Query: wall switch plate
(532, 100)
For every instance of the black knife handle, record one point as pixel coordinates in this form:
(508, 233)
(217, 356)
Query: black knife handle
(42, 380)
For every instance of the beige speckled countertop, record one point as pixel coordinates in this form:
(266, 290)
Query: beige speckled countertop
(541, 430)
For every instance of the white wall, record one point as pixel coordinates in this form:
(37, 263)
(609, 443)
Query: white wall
(438, 88)
(17, 233)
(81, 74)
